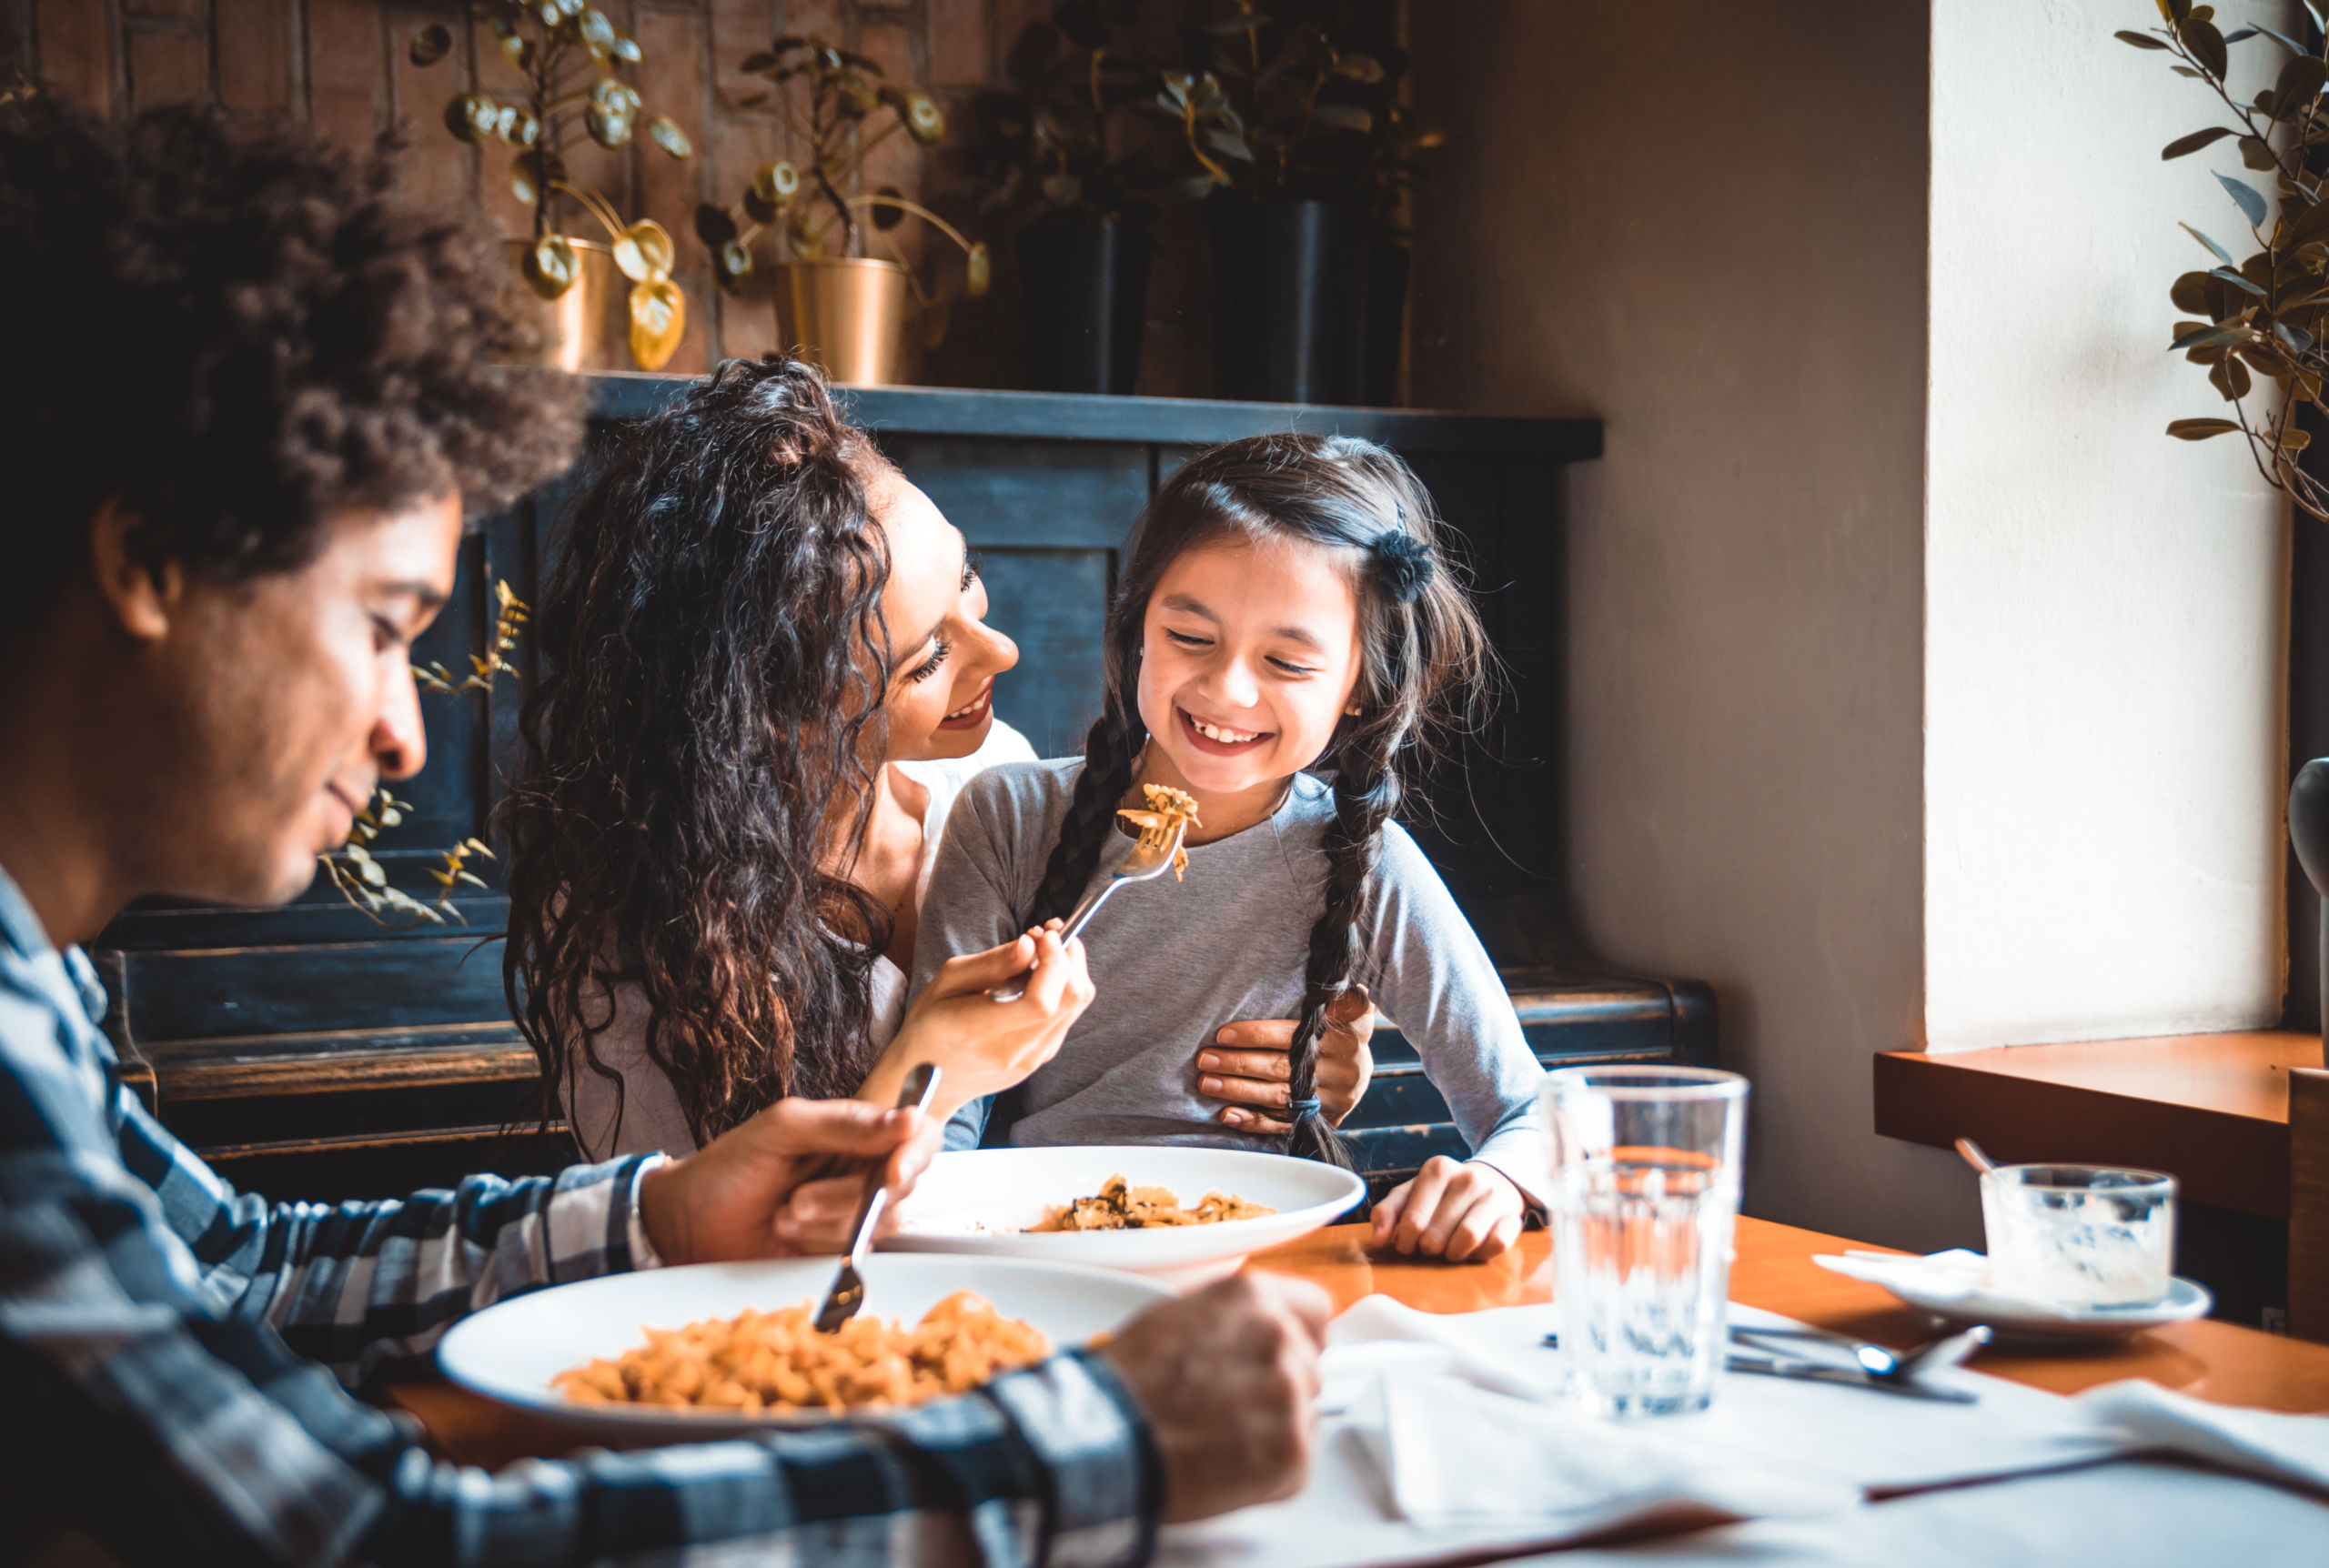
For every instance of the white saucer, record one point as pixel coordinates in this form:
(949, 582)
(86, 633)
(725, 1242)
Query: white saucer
(1960, 1303)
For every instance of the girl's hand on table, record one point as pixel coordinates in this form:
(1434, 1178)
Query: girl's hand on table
(1467, 1212)
(983, 1046)
(1249, 1065)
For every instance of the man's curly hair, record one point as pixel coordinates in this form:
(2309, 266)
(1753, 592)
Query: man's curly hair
(237, 336)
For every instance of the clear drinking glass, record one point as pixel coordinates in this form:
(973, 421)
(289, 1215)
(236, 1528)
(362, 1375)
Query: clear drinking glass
(1645, 1193)
(2080, 1235)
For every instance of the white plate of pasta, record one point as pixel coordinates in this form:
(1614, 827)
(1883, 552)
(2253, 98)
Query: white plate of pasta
(1181, 1215)
(724, 1347)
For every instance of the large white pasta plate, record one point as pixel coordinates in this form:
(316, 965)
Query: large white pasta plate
(511, 1351)
(981, 1201)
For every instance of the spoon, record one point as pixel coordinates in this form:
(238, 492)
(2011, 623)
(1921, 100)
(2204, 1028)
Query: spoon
(1902, 1366)
(1975, 1157)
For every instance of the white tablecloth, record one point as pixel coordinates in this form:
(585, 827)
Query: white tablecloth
(1472, 1392)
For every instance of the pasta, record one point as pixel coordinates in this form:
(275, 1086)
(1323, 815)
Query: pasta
(1121, 1206)
(1168, 808)
(775, 1363)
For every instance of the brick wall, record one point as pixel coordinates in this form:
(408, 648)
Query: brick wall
(341, 65)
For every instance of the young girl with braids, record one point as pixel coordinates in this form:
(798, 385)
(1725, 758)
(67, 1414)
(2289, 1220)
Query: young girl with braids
(1284, 631)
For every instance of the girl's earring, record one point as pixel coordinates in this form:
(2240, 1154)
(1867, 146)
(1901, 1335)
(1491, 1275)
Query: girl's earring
(1352, 712)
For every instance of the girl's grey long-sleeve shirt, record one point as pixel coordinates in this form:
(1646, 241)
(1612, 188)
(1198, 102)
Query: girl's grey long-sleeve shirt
(1174, 962)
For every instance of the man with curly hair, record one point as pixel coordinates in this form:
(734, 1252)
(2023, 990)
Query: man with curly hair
(255, 394)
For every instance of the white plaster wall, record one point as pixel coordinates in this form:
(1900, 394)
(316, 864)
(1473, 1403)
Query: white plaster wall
(2104, 607)
(1706, 223)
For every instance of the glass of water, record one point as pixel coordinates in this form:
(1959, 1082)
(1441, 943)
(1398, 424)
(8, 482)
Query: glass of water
(1645, 1193)
(2080, 1235)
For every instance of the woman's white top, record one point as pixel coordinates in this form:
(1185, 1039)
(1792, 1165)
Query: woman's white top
(650, 1117)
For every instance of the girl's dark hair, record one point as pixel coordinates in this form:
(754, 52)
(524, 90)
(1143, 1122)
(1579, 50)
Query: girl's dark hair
(1425, 666)
(713, 656)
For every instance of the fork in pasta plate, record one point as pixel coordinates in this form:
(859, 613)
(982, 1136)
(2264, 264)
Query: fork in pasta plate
(712, 1347)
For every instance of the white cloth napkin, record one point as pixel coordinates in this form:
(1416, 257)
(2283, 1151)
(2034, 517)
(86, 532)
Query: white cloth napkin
(1959, 1277)
(1879, 1442)
(2270, 1443)
(1453, 1455)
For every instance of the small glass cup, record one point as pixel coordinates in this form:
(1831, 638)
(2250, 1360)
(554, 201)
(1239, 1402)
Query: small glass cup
(1645, 1196)
(2080, 1235)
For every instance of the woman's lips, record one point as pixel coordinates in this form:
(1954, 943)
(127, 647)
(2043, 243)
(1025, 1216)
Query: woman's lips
(1211, 747)
(973, 715)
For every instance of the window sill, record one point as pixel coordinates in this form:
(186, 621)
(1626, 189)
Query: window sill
(2212, 1109)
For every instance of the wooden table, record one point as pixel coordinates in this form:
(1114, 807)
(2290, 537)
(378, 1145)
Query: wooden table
(2211, 1360)
(2212, 1109)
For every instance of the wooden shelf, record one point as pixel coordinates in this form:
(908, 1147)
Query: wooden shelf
(2211, 1109)
(1179, 421)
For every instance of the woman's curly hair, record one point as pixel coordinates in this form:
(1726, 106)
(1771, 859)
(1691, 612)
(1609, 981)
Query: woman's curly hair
(236, 334)
(713, 667)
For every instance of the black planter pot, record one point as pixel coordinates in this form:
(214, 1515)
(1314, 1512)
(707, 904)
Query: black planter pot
(1285, 293)
(1382, 322)
(1086, 287)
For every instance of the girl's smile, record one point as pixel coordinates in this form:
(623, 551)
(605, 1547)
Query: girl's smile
(1219, 739)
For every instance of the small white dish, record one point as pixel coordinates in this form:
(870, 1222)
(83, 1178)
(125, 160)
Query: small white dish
(510, 1351)
(1950, 1287)
(980, 1201)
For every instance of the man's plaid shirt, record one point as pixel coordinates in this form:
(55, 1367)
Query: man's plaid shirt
(175, 1357)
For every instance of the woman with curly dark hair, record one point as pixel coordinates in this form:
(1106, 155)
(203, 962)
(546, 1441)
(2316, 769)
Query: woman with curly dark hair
(767, 674)
(715, 871)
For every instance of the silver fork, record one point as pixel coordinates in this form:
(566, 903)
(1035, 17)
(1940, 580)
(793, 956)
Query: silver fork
(1896, 1372)
(1151, 857)
(848, 1292)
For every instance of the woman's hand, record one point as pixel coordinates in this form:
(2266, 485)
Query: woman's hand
(756, 1191)
(983, 1046)
(1467, 1212)
(1249, 1065)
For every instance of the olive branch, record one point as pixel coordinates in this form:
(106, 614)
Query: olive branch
(2266, 317)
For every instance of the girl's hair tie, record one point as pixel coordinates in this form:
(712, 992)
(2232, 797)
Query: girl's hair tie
(1303, 1110)
(1405, 562)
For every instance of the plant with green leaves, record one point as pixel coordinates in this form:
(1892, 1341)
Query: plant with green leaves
(2262, 318)
(1286, 110)
(1057, 137)
(838, 107)
(571, 58)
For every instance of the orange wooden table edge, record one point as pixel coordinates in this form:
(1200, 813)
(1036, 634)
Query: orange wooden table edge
(2218, 1361)
(2222, 1362)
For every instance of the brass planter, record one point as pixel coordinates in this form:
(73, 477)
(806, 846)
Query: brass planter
(847, 316)
(587, 327)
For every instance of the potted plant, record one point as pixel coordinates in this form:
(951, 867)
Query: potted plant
(1278, 124)
(2261, 322)
(836, 306)
(571, 58)
(1057, 144)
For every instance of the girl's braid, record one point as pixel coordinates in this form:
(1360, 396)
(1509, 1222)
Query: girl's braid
(1367, 794)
